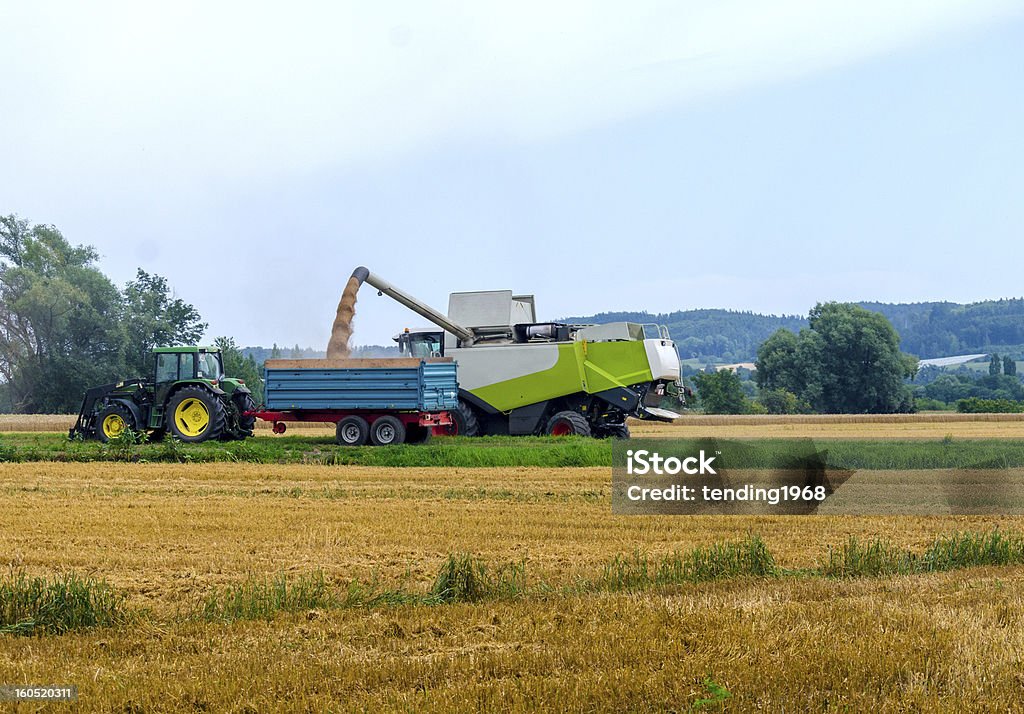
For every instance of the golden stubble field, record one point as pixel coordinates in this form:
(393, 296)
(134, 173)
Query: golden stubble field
(167, 534)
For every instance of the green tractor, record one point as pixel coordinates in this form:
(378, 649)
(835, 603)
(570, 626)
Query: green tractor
(188, 397)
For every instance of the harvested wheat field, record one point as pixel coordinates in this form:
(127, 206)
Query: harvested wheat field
(845, 426)
(256, 587)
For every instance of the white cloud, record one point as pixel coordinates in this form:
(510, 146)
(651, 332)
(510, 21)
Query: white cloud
(181, 92)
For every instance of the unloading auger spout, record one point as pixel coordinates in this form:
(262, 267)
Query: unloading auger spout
(363, 275)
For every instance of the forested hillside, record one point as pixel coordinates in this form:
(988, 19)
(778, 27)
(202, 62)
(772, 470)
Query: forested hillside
(928, 329)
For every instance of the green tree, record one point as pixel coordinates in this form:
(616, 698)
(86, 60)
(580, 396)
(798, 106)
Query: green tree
(847, 361)
(782, 401)
(240, 366)
(721, 392)
(60, 328)
(154, 318)
(994, 365)
(1009, 366)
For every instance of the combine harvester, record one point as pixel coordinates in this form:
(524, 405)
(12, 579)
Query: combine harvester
(520, 376)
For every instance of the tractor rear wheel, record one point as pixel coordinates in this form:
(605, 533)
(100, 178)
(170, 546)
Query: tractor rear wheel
(243, 402)
(387, 430)
(567, 423)
(195, 414)
(352, 431)
(114, 421)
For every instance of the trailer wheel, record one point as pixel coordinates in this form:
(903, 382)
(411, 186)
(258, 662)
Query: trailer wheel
(387, 430)
(614, 431)
(352, 431)
(567, 423)
(416, 434)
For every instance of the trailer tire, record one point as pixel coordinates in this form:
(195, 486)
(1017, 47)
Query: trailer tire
(387, 430)
(416, 434)
(352, 431)
(567, 423)
(115, 420)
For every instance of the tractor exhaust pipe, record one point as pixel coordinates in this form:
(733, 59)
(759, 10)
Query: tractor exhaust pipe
(363, 275)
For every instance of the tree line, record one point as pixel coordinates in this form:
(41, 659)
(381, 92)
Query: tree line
(929, 329)
(65, 326)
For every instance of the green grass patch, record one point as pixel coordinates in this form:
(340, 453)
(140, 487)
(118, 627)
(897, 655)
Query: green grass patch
(457, 452)
(35, 606)
(959, 550)
(748, 557)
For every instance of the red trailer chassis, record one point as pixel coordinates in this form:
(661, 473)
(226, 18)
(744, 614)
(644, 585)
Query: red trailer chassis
(333, 416)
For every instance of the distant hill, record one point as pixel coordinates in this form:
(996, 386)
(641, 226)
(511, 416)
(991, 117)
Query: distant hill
(927, 329)
(718, 335)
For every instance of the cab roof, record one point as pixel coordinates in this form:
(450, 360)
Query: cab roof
(178, 350)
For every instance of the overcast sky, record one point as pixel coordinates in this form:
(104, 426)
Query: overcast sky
(605, 156)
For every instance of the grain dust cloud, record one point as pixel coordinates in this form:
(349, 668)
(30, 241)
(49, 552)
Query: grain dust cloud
(341, 332)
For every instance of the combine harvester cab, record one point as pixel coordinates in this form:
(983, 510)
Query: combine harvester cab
(520, 376)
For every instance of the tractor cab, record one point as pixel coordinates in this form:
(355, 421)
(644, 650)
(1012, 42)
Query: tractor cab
(422, 342)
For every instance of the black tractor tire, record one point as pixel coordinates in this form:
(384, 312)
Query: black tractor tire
(352, 431)
(416, 434)
(243, 402)
(115, 411)
(387, 430)
(216, 422)
(568, 423)
(464, 421)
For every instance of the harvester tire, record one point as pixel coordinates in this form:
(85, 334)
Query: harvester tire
(464, 421)
(195, 414)
(387, 430)
(567, 423)
(352, 431)
(113, 421)
(243, 402)
(416, 434)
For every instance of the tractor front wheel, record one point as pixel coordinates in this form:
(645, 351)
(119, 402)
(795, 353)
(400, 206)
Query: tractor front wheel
(114, 421)
(195, 414)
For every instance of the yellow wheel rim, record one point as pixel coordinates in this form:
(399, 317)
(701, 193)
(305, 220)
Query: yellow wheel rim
(113, 426)
(192, 417)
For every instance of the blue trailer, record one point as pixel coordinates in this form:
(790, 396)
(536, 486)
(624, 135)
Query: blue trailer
(377, 401)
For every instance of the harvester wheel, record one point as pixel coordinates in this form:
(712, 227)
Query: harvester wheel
(352, 431)
(195, 414)
(566, 423)
(387, 430)
(464, 421)
(114, 421)
(243, 402)
(416, 434)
